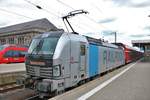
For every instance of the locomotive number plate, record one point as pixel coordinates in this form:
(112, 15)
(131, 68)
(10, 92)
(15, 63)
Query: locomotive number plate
(37, 63)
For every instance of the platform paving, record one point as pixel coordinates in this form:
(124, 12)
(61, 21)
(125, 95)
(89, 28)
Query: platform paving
(132, 85)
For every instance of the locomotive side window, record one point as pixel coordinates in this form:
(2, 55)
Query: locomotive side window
(82, 50)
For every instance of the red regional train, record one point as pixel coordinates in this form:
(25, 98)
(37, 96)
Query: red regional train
(10, 53)
(130, 53)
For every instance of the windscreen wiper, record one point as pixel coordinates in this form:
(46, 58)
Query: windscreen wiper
(38, 46)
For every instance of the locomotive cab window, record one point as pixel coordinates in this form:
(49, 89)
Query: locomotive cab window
(82, 50)
(43, 46)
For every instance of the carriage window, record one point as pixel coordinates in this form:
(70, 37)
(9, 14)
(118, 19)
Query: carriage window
(15, 53)
(22, 53)
(8, 54)
(82, 48)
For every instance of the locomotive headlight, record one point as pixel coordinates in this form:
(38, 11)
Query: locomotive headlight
(56, 71)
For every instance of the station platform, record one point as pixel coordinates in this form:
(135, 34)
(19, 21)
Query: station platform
(10, 72)
(131, 84)
(14, 67)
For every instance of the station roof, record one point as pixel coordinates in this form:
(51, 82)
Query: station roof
(140, 42)
(35, 24)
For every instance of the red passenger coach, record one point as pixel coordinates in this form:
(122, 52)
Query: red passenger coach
(12, 53)
(130, 53)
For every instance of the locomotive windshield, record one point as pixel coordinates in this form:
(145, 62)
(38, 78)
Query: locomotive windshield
(43, 46)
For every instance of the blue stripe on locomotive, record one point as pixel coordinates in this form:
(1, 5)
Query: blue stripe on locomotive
(93, 60)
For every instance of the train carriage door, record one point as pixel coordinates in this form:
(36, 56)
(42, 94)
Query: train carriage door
(82, 60)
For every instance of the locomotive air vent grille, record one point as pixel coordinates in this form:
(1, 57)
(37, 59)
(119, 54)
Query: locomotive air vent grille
(44, 72)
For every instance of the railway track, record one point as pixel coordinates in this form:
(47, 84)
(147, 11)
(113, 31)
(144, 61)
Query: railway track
(20, 94)
(9, 87)
(12, 91)
(36, 97)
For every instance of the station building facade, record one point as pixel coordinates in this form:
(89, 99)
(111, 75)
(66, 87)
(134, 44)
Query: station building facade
(21, 34)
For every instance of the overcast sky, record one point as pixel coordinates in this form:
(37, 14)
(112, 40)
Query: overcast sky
(129, 18)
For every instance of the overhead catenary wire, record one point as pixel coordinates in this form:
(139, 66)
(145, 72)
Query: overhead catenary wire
(86, 24)
(14, 13)
(97, 8)
(91, 19)
(73, 9)
(41, 8)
